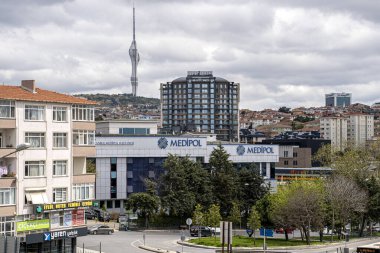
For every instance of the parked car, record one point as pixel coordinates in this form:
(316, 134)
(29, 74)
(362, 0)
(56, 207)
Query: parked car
(102, 215)
(282, 230)
(90, 214)
(204, 231)
(100, 229)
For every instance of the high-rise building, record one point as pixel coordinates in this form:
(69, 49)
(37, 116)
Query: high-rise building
(360, 128)
(355, 129)
(135, 58)
(44, 188)
(338, 99)
(201, 103)
(334, 129)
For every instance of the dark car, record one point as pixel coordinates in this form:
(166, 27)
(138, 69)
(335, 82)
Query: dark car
(90, 214)
(102, 215)
(100, 229)
(202, 230)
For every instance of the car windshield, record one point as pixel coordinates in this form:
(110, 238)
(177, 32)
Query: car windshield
(95, 226)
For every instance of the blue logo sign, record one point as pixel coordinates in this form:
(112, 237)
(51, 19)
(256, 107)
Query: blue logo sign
(47, 236)
(240, 150)
(162, 143)
(266, 232)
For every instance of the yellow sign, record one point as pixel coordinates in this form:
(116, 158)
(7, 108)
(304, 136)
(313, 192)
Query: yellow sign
(29, 225)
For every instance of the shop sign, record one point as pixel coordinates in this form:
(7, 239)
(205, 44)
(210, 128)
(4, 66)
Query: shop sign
(240, 150)
(56, 235)
(69, 205)
(29, 225)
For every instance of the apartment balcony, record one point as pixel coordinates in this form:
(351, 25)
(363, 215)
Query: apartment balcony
(84, 178)
(7, 123)
(84, 151)
(84, 125)
(7, 182)
(8, 150)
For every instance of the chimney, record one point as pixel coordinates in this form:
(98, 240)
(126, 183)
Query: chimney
(28, 85)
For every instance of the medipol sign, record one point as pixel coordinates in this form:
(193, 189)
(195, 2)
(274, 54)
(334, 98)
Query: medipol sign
(163, 142)
(242, 149)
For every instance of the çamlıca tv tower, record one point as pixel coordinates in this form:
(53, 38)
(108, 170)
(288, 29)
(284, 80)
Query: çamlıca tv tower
(135, 58)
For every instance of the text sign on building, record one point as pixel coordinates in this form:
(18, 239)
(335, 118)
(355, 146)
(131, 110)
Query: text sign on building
(164, 142)
(56, 235)
(69, 205)
(246, 149)
(30, 225)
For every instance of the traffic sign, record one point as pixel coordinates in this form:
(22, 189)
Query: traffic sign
(189, 221)
(266, 232)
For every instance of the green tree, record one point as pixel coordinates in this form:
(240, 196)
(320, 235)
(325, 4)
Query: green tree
(213, 216)
(144, 204)
(254, 222)
(223, 179)
(235, 214)
(299, 204)
(251, 188)
(184, 184)
(199, 217)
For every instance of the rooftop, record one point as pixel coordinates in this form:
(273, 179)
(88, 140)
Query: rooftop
(30, 93)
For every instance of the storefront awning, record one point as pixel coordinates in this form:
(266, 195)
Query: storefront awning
(37, 197)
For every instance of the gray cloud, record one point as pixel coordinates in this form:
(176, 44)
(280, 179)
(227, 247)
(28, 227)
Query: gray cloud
(281, 52)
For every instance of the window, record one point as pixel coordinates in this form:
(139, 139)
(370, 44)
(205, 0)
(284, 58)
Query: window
(286, 153)
(83, 113)
(7, 196)
(34, 112)
(36, 140)
(59, 114)
(83, 191)
(34, 168)
(59, 168)
(59, 140)
(286, 162)
(59, 195)
(295, 154)
(295, 162)
(7, 109)
(83, 137)
(134, 130)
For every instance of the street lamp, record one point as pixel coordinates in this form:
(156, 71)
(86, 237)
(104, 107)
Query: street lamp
(19, 148)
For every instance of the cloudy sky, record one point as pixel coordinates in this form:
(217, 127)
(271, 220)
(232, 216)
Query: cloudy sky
(282, 52)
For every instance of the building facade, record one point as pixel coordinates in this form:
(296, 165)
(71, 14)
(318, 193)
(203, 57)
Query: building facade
(335, 129)
(338, 99)
(360, 128)
(45, 188)
(123, 162)
(201, 103)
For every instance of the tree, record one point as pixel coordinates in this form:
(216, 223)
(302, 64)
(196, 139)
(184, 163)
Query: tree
(213, 216)
(251, 188)
(199, 216)
(284, 109)
(254, 222)
(235, 214)
(184, 184)
(299, 204)
(144, 204)
(223, 179)
(346, 199)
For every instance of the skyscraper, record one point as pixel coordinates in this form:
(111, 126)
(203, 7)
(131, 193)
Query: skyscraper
(135, 58)
(338, 99)
(201, 103)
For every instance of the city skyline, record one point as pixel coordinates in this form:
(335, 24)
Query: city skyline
(282, 54)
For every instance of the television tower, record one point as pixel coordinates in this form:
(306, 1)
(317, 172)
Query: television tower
(135, 58)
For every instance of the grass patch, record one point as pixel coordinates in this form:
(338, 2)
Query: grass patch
(244, 241)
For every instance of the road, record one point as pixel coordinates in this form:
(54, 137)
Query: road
(128, 241)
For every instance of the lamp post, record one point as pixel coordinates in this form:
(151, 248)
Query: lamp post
(19, 148)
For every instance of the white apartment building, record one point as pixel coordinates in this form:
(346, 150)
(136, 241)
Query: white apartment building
(355, 129)
(360, 128)
(334, 129)
(127, 126)
(46, 187)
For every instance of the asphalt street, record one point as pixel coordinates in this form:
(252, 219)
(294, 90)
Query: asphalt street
(128, 241)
